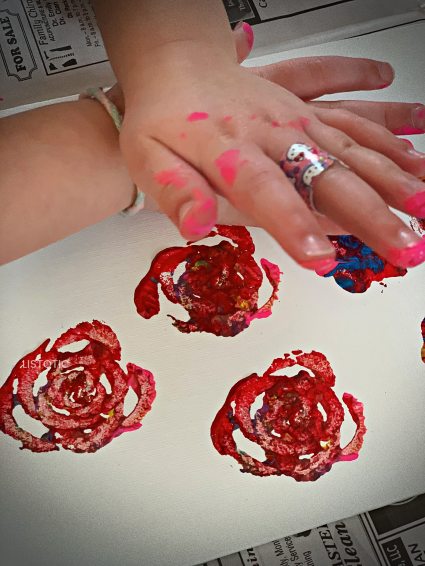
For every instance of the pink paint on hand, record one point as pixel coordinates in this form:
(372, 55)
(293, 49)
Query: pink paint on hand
(407, 130)
(320, 266)
(197, 116)
(415, 205)
(227, 118)
(410, 256)
(171, 177)
(299, 124)
(275, 124)
(249, 32)
(227, 164)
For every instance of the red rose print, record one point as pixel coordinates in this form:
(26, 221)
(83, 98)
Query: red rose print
(219, 287)
(76, 408)
(297, 440)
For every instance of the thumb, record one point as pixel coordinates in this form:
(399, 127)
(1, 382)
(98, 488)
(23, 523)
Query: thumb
(244, 40)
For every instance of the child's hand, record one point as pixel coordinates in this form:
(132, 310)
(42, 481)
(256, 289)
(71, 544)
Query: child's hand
(217, 128)
(197, 125)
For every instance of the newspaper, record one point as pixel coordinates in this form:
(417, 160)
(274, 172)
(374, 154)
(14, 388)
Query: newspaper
(390, 536)
(53, 48)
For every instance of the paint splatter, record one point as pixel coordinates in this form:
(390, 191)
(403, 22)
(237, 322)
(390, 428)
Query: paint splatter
(197, 116)
(170, 177)
(227, 164)
(218, 288)
(78, 411)
(418, 225)
(358, 265)
(423, 336)
(297, 440)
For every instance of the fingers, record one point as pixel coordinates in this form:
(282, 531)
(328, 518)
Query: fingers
(327, 75)
(376, 137)
(228, 214)
(394, 116)
(341, 195)
(243, 35)
(180, 191)
(256, 186)
(397, 187)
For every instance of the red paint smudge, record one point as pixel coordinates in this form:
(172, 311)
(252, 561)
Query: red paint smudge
(253, 117)
(289, 425)
(197, 116)
(275, 124)
(227, 164)
(227, 118)
(170, 177)
(423, 336)
(93, 416)
(219, 287)
(407, 130)
(183, 136)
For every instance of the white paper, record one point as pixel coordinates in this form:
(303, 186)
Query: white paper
(162, 495)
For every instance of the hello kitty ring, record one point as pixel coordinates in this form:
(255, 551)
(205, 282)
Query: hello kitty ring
(302, 164)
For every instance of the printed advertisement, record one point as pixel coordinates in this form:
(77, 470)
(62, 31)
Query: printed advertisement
(390, 536)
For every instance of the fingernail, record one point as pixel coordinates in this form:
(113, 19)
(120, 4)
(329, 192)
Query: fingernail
(249, 32)
(415, 204)
(415, 153)
(411, 255)
(386, 72)
(197, 219)
(407, 130)
(317, 248)
(320, 266)
(418, 117)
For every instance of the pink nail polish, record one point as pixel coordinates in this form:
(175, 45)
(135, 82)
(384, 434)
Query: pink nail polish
(198, 219)
(249, 34)
(415, 204)
(410, 256)
(407, 130)
(320, 266)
